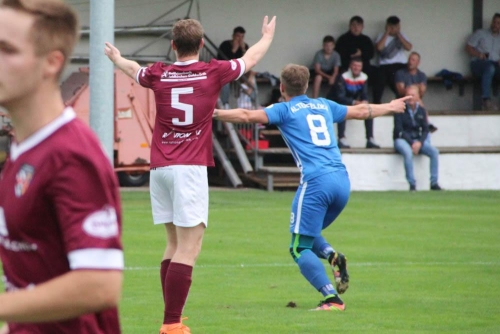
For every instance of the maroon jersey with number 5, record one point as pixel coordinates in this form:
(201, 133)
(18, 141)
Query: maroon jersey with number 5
(186, 94)
(59, 211)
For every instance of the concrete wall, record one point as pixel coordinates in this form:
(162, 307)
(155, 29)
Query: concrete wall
(456, 171)
(437, 29)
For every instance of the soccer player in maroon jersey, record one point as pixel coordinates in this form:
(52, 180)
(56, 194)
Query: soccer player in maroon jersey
(181, 149)
(60, 215)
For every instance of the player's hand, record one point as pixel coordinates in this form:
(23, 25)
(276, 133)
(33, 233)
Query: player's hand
(268, 28)
(399, 105)
(112, 52)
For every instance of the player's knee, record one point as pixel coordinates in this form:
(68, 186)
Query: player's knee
(296, 251)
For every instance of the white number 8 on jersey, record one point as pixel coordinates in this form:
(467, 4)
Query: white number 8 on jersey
(316, 130)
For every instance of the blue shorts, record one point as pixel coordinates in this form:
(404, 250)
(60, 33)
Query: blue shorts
(318, 202)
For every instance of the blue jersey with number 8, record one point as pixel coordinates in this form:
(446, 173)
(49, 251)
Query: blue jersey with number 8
(307, 128)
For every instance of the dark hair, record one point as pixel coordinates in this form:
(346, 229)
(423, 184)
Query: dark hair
(496, 15)
(239, 29)
(357, 59)
(328, 39)
(357, 19)
(393, 20)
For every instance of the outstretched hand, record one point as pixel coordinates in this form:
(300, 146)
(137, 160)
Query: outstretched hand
(399, 105)
(268, 28)
(112, 52)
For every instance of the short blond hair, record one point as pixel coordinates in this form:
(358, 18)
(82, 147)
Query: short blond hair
(55, 25)
(187, 35)
(295, 79)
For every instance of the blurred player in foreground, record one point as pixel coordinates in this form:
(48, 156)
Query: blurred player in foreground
(307, 127)
(60, 215)
(186, 94)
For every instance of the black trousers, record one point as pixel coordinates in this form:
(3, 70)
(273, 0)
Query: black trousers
(368, 128)
(384, 75)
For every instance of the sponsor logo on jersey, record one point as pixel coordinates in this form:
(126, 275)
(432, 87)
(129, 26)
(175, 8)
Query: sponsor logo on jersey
(102, 224)
(23, 179)
(180, 136)
(166, 134)
(182, 76)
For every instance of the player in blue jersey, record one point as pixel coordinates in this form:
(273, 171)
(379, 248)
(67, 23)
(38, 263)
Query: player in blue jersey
(307, 128)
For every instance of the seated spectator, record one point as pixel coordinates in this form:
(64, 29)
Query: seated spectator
(391, 46)
(410, 132)
(354, 43)
(411, 75)
(351, 88)
(484, 48)
(231, 49)
(325, 65)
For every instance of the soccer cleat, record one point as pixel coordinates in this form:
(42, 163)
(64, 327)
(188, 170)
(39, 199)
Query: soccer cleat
(331, 304)
(436, 187)
(338, 260)
(178, 328)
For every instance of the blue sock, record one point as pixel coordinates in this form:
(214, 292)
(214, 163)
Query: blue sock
(322, 248)
(314, 271)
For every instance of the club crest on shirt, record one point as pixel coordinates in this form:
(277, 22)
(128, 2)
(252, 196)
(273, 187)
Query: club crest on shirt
(23, 179)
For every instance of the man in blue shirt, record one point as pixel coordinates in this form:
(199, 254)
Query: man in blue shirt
(307, 128)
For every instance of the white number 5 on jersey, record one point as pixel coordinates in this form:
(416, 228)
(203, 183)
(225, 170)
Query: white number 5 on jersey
(318, 130)
(187, 108)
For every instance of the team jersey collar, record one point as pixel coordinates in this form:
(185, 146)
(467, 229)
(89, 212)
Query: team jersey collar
(17, 149)
(184, 63)
(299, 98)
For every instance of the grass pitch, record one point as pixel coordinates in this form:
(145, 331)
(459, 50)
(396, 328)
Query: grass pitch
(425, 262)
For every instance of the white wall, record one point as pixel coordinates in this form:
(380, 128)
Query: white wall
(437, 29)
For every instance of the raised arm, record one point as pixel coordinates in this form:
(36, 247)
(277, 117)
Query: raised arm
(68, 296)
(255, 53)
(366, 111)
(128, 67)
(240, 115)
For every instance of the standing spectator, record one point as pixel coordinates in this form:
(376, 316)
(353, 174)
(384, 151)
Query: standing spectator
(391, 46)
(351, 89)
(410, 133)
(355, 44)
(325, 65)
(484, 48)
(60, 214)
(186, 94)
(307, 126)
(232, 49)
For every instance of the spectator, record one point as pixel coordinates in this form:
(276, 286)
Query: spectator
(60, 213)
(351, 89)
(355, 44)
(391, 46)
(410, 133)
(325, 65)
(246, 98)
(411, 75)
(231, 49)
(484, 48)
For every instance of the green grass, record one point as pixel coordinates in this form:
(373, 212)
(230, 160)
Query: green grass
(424, 262)
(420, 262)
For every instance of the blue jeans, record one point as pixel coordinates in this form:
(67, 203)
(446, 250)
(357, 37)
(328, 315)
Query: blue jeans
(403, 148)
(225, 92)
(486, 70)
